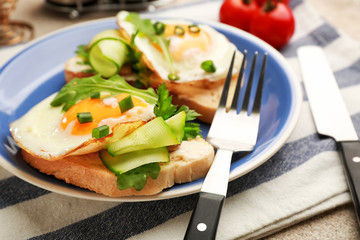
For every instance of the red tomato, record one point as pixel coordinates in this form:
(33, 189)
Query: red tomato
(237, 13)
(275, 26)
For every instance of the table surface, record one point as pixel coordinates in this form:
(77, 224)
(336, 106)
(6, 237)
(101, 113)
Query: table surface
(339, 223)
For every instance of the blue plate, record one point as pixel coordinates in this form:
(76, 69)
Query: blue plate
(37, 72)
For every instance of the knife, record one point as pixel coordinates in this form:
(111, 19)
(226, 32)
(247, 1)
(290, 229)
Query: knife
(330, 114)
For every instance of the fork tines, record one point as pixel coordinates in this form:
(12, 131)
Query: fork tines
(240, 82)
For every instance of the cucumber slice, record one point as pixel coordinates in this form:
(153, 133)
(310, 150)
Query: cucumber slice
(125, 162)
(107, 56)
(108, 34)
(153, 134)
(177, 123)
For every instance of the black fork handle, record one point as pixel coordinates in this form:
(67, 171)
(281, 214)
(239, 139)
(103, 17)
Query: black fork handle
(205, 218)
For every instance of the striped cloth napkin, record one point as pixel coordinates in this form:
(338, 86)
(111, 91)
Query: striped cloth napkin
(302, 179)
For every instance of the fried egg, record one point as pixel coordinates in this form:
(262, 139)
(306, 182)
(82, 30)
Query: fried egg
(48, 132)
(188, 50)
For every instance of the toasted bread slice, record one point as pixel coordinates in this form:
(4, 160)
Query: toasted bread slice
(189, 162)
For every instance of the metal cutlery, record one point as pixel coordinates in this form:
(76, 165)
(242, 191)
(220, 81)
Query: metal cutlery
(230, 132)
(330, 114)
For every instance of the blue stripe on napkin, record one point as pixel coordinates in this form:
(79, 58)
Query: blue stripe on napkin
(14, 190)
(124, 220)
(321, 36)
(349, 76)
(294, 3)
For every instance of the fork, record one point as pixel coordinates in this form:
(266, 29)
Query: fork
(230, 132)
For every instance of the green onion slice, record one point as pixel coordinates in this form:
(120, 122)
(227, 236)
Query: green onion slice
(95, 95)
(173, 77)
(84, 117)
(159, 27)
(101, 131)
(179, 31)
(208, 66)
(126, 104)
(194, 28)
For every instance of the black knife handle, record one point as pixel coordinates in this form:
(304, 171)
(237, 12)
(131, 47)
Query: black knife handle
(351, 160)
(205, 217)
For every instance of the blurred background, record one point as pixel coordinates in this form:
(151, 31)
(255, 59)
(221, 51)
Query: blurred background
(21, 20)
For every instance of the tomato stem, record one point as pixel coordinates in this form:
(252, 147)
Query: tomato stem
(270, 5)
(247, 2)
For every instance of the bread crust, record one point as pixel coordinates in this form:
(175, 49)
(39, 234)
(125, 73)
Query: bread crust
(88, 171)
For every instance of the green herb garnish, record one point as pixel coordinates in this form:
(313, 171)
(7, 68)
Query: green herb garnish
(178, 30)
(82, 52)
(84, 117)
(88, 71)
(194, 28)
(145, 28)
(95, 95)
(137, 177)
(82, 88)
(101, 131)
(159, 28)
(173, 77)
(208, 66)
(68, 105)
(126, 104)
(165, 109)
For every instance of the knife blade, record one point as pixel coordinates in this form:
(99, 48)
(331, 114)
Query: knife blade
(330, 114)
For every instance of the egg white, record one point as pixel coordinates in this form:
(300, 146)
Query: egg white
(188, 69)
(39, 131)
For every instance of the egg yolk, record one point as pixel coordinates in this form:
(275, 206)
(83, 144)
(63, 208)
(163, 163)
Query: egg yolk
(99, 108)
(189, 40)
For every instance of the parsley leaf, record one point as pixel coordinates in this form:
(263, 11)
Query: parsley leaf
(190, 114)
(137, 177)
(165, 109)
(81, 88)
(191, 130)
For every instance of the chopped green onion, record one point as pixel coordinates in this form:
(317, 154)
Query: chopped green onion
(126, 104)
(208, 66)
(95, 95)
(173, 77)
(159, 28)
(84, 117)
(68, 105)
(179, 30)
(194, 28)
(101, 131)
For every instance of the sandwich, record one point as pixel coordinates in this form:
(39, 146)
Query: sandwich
(123, 124)
(112, 138)
(191, 59)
